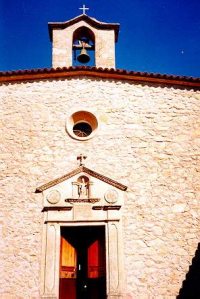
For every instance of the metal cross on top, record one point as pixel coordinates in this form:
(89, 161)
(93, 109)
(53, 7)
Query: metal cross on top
(81, 157)
(84, 8)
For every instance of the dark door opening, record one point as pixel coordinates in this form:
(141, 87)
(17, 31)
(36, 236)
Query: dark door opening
(82, 263)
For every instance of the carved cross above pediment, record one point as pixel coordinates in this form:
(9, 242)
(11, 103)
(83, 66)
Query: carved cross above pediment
(81, 158)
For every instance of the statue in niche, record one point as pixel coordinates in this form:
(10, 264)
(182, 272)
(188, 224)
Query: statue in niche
(83, 187)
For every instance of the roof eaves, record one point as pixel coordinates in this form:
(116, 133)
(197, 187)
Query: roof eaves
(118, 74)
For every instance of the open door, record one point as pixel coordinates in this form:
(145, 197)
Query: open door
(68, 270)
(83, 263)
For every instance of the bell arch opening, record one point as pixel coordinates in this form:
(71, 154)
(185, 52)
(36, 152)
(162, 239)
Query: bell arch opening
(83, 45)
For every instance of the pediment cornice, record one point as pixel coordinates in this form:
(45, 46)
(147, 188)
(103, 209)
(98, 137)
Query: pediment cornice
(76, 171)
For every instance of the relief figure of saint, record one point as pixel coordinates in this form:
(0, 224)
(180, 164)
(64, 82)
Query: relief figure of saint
(83, 186)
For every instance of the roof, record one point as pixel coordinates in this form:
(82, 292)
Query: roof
(77, 171)
(91, 21)
(103, 73)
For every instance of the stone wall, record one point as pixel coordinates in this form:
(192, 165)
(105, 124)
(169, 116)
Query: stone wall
(148, 139)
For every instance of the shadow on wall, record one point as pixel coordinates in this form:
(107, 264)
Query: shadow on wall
(191, 285)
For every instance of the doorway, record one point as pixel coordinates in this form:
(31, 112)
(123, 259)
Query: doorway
(82, 263)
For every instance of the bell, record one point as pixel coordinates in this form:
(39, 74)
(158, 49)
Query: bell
(83, 57)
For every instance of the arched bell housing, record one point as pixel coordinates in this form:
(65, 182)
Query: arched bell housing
(83, 44)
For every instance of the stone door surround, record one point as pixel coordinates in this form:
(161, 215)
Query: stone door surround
(82, 197)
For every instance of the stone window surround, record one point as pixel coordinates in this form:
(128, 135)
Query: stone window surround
(79, 116)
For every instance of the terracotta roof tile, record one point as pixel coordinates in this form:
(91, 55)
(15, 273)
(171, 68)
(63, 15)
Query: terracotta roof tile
(118, 74)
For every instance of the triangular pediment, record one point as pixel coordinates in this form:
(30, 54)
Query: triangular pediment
(82, 169)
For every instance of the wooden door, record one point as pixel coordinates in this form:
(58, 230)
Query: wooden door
(68, 270)
(96, 269)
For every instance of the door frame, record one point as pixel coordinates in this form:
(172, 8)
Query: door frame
(98, 233)
(51, 257)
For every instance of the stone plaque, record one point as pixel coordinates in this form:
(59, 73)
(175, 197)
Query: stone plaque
(53, 197)
(111, 196)
(82, 212)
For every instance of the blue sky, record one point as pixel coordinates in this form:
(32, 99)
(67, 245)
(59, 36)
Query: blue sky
(160, 36)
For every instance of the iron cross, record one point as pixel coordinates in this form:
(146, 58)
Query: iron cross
(84, 9)
(81, 157)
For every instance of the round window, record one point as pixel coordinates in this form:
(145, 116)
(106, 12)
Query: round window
(82, 125)
(82, 129)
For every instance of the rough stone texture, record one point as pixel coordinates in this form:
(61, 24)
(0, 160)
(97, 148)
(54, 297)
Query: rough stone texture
(148, 139)
(63, 40)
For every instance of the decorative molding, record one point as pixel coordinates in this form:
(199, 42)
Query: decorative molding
(62, 208)
(53, 197)
(111, 196)
(78, 200)
(77, 171)
(58, 180)
(104, 179)
(106, 208)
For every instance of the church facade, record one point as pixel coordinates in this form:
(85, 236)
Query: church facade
(100, 175)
